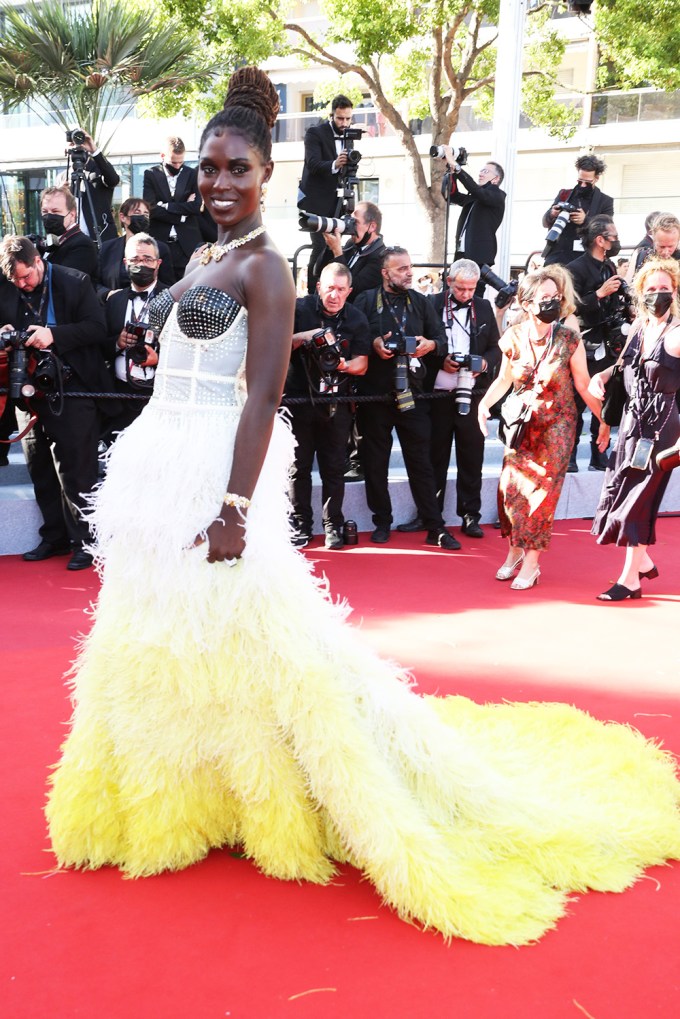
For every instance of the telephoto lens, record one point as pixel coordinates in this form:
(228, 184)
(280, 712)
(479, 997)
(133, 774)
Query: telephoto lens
(350, 534)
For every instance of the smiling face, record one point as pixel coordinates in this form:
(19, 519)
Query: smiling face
(230, 177)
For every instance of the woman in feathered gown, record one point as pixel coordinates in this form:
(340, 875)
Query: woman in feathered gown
(220, 698)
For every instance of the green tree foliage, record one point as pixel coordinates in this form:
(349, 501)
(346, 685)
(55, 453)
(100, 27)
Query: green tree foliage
(640, 43)
(72, 63)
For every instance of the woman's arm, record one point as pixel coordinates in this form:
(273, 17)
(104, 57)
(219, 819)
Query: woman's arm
(579, 372)
(496, 390)
(672, 340)
(269, 296)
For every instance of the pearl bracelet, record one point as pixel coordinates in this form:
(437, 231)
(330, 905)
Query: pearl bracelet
(239, 501)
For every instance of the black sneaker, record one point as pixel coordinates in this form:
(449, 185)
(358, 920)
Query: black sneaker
(380, 535)
(471, 526)
(301, 538)
(354, 474)
(442, 539)
(333, 539)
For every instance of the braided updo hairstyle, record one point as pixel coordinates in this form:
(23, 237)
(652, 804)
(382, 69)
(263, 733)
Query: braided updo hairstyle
(251, 108)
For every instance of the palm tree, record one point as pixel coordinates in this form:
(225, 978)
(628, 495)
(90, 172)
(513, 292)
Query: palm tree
(72, 64)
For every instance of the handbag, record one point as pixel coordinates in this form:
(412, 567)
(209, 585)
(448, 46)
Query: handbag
(615, 395)
(515, 412)
(668, 459)
(515, 418)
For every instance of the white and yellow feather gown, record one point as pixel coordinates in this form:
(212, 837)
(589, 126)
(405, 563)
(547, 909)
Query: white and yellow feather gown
(219, 706)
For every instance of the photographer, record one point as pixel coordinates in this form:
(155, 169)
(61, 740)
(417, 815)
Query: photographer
(665, 243)
(466, 372)
(584, 201)
(363, 252)
(132, 349)
(113, 275)
(93, 182)
(483, 208)
(331, 343)
(407, 332)
(72, 248)
(64, 325)
(326, 157)
(604, 311)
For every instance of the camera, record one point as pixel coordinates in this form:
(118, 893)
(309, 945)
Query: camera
(326, 353)
(437, 152)
(43, 374)
(350, 134)
(78, 155)
(616, 325)
(470, 364)
(566, 209)
(400, 344)
(326, 224)
(506, 291)
(137, 352)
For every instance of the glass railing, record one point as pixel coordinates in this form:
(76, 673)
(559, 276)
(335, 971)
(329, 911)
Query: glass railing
(631, 107)
(24, 116)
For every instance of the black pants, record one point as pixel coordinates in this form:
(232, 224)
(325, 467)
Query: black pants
(61, 456)
(130, 410)
(178, 258)
(375, 422)
(448, 426)
(316, 432)
(593, 368)
(319, 246)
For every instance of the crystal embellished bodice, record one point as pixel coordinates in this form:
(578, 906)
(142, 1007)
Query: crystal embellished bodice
(202, 349)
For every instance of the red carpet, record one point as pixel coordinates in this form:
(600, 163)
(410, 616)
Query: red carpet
(221, 940)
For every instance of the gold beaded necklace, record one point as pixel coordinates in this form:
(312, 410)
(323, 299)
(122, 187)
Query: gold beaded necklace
(215, 252)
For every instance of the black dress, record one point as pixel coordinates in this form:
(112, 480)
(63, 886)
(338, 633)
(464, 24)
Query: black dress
(630, 499)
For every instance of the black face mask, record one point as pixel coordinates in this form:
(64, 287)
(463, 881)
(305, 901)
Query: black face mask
(585, 189)
(549, 311)
(360, 241)
(397, 287)
(172, 170)
(658, 303)
(54, 224)
(615, 248)
(141, 275)
(139, 224)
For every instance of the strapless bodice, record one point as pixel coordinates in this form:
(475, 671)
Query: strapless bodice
(202, 349)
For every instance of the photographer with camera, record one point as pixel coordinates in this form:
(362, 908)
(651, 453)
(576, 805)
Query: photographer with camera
(572, 209)
(407, 333)
(92, 180)
(55, 324)
(483, 208)
(604, 309)
(331, 344)
(132, 346)
(363, 252)
(466, 372)
(327, 162)
(71, 247)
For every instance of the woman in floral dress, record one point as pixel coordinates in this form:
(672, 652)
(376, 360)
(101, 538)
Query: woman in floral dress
(541, 360)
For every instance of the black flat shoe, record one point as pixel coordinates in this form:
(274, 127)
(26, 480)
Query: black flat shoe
(413, 525)
(471, 526)
(45, 550)
(619, 593)
(80, 560)
(442, 539)
(649, 574)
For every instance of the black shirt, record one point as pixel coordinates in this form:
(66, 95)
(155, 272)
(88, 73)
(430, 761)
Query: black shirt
(386, 313)
(351, 331)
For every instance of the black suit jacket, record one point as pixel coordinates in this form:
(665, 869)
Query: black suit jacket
(483, 208)
(115, 311)
(318, 184)
(156, 189)
(77, 252)
(366, 274)
(483, 340)
(563, 252)
(80, 332)
(101, 181)
(589, 274)
(113, 275)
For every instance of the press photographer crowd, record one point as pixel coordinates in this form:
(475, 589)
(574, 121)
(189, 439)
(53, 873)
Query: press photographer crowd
(377, 348)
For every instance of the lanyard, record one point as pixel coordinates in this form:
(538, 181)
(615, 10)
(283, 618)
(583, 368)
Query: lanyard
(401, 326)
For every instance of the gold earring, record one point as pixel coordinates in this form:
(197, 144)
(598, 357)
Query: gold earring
(263, 195)
(202, 206)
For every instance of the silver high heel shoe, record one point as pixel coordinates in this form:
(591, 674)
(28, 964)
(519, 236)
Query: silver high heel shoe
(508, 572)
(523, 585)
